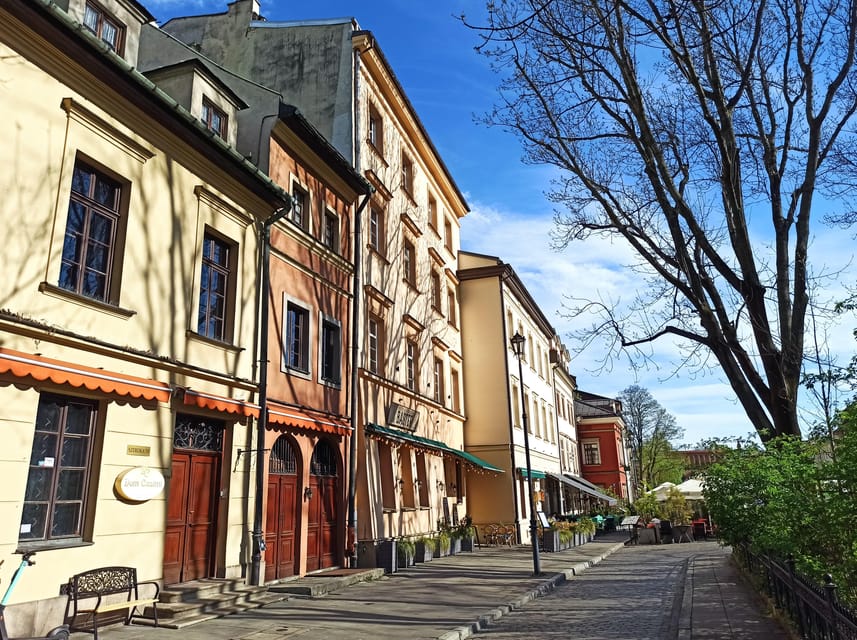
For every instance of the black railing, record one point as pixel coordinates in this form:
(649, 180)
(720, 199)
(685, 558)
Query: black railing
(814, 609)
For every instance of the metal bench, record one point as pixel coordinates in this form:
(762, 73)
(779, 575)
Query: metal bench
(89, 596)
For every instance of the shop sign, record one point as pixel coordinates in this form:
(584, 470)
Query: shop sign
(139, 484)
(400, 416)
(138, 450)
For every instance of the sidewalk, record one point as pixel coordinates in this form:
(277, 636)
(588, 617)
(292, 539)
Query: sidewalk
(451, 598)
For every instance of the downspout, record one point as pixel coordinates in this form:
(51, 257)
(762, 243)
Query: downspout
(355, 363)
(262, 423)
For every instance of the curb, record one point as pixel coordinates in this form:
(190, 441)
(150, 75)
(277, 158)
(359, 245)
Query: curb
(483, 621)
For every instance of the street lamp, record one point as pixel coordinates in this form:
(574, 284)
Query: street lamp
(518, 346)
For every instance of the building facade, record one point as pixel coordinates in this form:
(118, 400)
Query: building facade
(129, 321)
(604, 458)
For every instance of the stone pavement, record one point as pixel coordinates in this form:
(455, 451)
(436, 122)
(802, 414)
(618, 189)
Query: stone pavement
(452, 598)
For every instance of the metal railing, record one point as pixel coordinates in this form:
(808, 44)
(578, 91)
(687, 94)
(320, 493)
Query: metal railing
(814, 609)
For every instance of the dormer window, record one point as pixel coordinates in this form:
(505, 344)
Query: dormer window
(214, 119)
(104, 26)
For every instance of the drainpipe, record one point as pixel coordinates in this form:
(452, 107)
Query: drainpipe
(262, 423)
(355, 363)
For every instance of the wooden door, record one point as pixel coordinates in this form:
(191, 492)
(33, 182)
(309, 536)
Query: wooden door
(191, 527)
(323, 515)
(191, 522)
(281, 512)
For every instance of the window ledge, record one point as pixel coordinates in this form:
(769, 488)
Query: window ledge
(228, 346)
(412, 286)
(332, 384)
(379, 153)
(64, 294)
(50, 545)
(388, 510)
(409, 509)
(380, 256)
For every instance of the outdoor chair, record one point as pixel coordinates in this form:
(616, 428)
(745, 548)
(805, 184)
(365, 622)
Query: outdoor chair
(666, 531)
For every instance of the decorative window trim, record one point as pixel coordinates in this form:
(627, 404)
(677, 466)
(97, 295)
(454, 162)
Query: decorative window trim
(207, 196)
(98, 125)
(306, 343)
(323, 323)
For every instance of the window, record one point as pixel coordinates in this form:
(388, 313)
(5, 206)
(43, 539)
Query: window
(410, 264)
(438, 380)
(90, 245)
(450, 308)
(591, 452)
(407, 175)
(422, 480)
(447, 234)
(388, 480)
(213, 118)
(331, 350)
(374, 348)
(58, 481)
(110, 30)
(454, 383)
(215, 289)
(331, 231)
(435, 291)
(376, 229)
(300, 207)
(411, 364)
(432, 212)
(297, 338)
(376, 130)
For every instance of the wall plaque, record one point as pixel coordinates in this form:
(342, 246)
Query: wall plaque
(139, 484)
(138, 450)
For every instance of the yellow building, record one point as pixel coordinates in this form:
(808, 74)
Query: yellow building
(128, 315)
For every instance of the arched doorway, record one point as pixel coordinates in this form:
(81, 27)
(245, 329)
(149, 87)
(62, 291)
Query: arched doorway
(323, 516)
(282, 511)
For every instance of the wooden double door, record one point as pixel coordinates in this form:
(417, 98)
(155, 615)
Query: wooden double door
(191, 526)
(284, 511)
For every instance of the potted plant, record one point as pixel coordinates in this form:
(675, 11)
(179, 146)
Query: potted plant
(466, 533)
(424, 549)
(550, 539)
(406, 552)
(442, 544)
(586, 529)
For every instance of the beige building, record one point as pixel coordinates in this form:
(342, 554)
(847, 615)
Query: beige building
(128, 312)
(409, 463)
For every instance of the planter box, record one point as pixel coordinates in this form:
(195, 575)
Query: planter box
(440, 552)
(424, 552)
(468, 544)
(454, 546)
(404, 559)
(550, 540)
(386, 557)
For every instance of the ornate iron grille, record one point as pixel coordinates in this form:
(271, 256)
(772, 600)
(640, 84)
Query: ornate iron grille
(323, 460)
(194, 432)
(282, 459)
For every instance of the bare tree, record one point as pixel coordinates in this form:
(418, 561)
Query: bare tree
(650, 428)
(700, 133)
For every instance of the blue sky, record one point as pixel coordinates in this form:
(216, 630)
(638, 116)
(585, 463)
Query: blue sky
(433, 56)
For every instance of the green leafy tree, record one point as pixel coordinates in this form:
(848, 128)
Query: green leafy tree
(672, 125)
(650, 429)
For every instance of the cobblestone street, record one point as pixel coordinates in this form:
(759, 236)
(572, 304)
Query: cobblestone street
(634, 594)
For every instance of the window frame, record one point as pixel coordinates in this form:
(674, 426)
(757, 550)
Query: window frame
(409, 262)
(588, 448)
(294, 310)
(438, 374)
(87, 471)
(300, 212)
(328, 375)
(447, 234)
(330, 231)
(374, 344)
(455, 390)
(451, 314)
(229, 273)
(377, 241)
(116, 213)
(210, 109)
(412, 358)
(103, 16)
(375, 130)
(407, 175)
(436, 292)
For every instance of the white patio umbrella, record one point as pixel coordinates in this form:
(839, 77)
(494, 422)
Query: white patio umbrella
(661, 491)
(691, 489)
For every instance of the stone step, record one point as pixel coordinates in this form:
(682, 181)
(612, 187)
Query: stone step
(196, 589)
(319, 584)
(177, 615)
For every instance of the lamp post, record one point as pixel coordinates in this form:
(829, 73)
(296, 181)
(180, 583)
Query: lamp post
(518, 346)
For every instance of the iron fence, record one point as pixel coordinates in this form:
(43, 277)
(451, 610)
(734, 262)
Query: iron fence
(814, 609)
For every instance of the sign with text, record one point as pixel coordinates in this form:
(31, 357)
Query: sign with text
(139, 484)
(400, 416)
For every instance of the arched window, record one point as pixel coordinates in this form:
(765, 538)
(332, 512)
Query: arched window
(323, 460)
(282, 459)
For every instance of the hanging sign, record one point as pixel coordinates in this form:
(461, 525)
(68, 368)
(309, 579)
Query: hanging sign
(400, 416)
(139, 484)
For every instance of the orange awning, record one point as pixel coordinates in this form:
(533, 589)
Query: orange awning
(39, 369)
(221, 403)
(298, 419)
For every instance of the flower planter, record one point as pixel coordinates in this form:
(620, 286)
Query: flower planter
(468, 544)
(386, 557)
(405, 558)
(424, 552)
(550, 540)
(441, 549)
(454, 546)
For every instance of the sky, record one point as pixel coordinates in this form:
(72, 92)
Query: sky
(451, 86)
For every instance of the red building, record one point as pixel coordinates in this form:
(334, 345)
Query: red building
(604, 459)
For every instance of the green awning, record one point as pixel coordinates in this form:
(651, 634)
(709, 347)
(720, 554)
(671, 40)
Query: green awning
(428, 443)
(536, 473)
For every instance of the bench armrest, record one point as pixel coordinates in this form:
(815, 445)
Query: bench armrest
(147, 584)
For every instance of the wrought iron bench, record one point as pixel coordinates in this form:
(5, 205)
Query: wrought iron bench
(89, 596)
